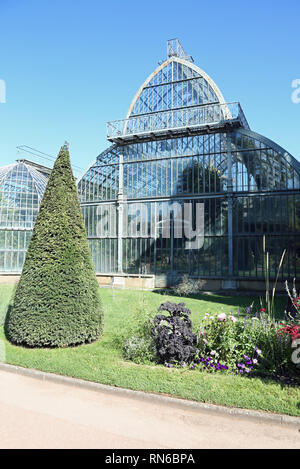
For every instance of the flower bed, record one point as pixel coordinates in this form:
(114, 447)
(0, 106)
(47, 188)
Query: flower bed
(225, 343)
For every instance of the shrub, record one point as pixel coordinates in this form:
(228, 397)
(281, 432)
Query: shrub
(188, 286)
(173, 335)
(57, 301)
(137, 343)
(140, 350)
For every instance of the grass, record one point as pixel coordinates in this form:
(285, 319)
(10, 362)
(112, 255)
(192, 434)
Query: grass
(6, 292)
(103, 360)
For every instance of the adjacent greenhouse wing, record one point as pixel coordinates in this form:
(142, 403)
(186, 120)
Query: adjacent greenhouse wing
(22, 186)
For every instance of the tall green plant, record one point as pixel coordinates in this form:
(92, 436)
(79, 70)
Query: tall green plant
(57, 301)
(270, 300)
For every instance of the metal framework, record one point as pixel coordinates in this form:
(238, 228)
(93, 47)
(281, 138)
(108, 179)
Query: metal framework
(185, 121)
(22, 186)
(181, 142)
(175, 49)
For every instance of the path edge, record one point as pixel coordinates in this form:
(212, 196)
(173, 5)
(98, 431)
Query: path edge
(261, 416)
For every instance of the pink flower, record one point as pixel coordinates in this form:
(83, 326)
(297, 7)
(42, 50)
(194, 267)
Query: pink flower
(222, 317)
(233, 319)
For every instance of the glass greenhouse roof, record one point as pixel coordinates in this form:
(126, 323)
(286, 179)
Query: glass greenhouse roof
(22, 187)
(21, 191)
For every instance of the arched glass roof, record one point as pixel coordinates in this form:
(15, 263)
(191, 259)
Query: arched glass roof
(21, 191)
(261, 164)
(22, 187)
(175, 84)
(168, 167)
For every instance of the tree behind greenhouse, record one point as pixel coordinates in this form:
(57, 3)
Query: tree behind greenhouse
(57, 302)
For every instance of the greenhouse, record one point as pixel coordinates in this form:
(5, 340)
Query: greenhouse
(182, 145)
(184, 188)
(22, 185)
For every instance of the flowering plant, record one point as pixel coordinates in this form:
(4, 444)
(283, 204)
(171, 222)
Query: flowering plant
(220, 347)
(244, 345)
(293, 331)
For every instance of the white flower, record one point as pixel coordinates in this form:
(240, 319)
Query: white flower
(222, 317)
(233, 319)
(213, 352)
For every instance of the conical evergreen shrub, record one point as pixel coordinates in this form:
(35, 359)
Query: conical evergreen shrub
(57, 302)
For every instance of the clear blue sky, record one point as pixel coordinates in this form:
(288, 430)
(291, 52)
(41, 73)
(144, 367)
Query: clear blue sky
(72, 65)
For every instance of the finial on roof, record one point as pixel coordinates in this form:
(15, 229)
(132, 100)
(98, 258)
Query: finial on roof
(175, 49)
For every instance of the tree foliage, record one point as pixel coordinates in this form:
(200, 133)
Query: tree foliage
(57, 301)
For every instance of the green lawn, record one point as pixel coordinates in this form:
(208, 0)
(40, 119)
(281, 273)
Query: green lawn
(103, 361)
(5, 297)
